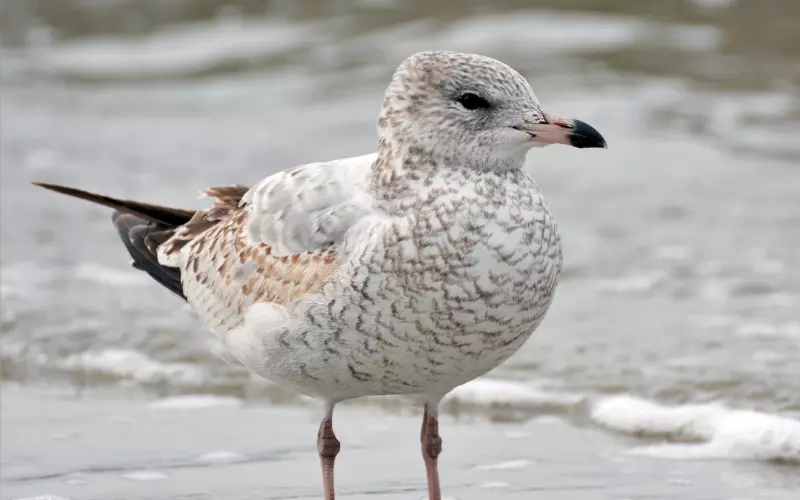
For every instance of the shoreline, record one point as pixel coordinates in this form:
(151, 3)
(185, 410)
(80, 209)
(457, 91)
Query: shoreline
(100, 446)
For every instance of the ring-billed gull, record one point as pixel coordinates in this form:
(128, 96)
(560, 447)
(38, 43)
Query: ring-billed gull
(408, 271)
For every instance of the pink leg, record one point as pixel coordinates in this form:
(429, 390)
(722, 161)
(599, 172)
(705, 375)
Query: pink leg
(431, 448)
(328, 447)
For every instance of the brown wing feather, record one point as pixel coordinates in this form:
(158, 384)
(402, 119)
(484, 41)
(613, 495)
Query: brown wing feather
(223, 273)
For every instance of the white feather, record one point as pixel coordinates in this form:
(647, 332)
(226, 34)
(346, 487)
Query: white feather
(309, 207)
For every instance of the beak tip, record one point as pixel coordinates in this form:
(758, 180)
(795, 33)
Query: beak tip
(585, 136)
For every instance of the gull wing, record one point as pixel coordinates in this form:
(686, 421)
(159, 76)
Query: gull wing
(273, 243)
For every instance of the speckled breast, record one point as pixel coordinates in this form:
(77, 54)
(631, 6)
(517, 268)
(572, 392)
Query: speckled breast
(462, 286)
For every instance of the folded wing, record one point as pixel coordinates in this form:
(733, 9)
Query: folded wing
(273, 243)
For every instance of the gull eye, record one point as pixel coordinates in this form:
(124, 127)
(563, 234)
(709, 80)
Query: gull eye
(472, 102)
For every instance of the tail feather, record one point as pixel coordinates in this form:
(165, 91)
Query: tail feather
(142, 227)
(152, 213)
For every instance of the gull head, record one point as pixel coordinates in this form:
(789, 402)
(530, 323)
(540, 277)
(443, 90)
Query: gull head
(473, 110)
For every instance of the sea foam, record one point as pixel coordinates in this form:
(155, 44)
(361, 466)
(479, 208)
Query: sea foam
(494, 392)
(702, 430)
(131, 364)
(194, 401)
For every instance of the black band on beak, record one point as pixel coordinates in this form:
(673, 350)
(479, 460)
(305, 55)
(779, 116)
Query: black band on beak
(584, 135)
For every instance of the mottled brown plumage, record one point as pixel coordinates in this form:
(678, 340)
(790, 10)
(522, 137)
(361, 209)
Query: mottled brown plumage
(225, 274)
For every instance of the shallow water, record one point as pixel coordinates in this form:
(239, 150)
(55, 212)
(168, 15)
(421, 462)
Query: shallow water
(184, 448)
(682, 279)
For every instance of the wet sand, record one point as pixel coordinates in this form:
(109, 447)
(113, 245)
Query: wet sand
(98, 446)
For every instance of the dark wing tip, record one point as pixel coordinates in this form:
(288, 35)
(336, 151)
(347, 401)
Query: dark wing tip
(135, 233)
(153, 213)
(57, 188)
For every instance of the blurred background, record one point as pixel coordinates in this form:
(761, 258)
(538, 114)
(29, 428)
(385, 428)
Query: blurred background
(682, 263)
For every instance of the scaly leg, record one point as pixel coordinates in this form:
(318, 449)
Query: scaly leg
(328, 447)
(431, 448)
